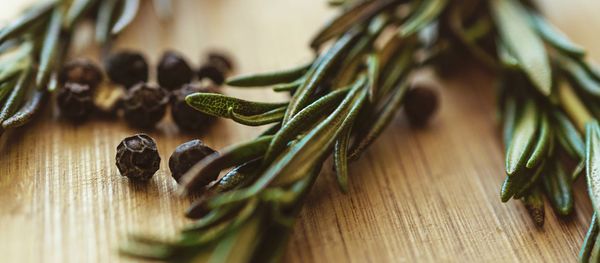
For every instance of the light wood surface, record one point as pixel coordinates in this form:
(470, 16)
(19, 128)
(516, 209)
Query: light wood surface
(417, 195)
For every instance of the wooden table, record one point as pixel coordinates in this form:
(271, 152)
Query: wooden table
(417, 195)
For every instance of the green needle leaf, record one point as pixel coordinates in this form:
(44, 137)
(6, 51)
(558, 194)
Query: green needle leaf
(130, 9)
(523, 139)
(269, 78)
(556, 38)
(49, 49)
(592, 154)
(104, 20)
(272, 116)
(427, 12)
(558, 188)
(580, 76)
(36, 15)
(590, 240)
(219, 105)
(568, 135)
(340, 157)
(541, 148)
(534, 202)
(27, 112)
(523, 42)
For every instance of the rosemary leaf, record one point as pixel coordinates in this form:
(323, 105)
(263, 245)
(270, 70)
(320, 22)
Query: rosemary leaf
(540, 149)
(427, 12)
(589, 240)
(373, 74)
(556, 38)
(130, 9)
(568, 135)
(534, 202)
(219, 105)
(523, 139)
(269, 78)
(340, 157)
(27, 112)
(557, 186)
(271, 116)
(104, 20)
(16, 96)
(520, 39)
(288, 86)
(592, 145)
(35, 15)
(49, 49)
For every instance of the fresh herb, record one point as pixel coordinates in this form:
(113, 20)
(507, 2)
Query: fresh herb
(344, 98)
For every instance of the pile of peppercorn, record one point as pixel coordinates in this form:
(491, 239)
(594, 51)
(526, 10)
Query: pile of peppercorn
(141, 103)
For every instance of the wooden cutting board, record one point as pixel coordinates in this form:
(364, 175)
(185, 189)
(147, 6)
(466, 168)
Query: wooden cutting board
(416, 195)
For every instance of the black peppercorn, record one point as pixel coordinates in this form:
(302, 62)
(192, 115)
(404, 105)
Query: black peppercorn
(75, 101)
(213, 72)
(187, 155)
(145, 105)
(173, 71)
(186, 117)
(137, 157)
(127, 68)
(218, 58)
(82, 71)
(420, 104)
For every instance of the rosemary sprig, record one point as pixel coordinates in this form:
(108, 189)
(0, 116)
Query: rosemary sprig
(345, 97)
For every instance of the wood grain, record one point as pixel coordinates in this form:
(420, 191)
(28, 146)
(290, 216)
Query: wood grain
(416, 195)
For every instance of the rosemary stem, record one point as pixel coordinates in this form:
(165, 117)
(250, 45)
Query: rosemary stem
(573, 106)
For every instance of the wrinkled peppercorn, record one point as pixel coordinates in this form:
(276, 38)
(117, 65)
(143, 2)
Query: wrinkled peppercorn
(420, 104)
(186, 117)
(219, 58)
(213, 72)
(187, 155)
(173, 71)
(82, 71)
(75, 101)
(137, 157)
(145, 105)
(127, 68)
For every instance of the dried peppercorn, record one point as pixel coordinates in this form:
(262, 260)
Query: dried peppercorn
(137, 157)
(186, 117)
(219, 58)
(420, 104)
(75, 101)
(173, 71)
(144, 105)
(127, 68)
(82, 71)
(213, 72)
(186, 155)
